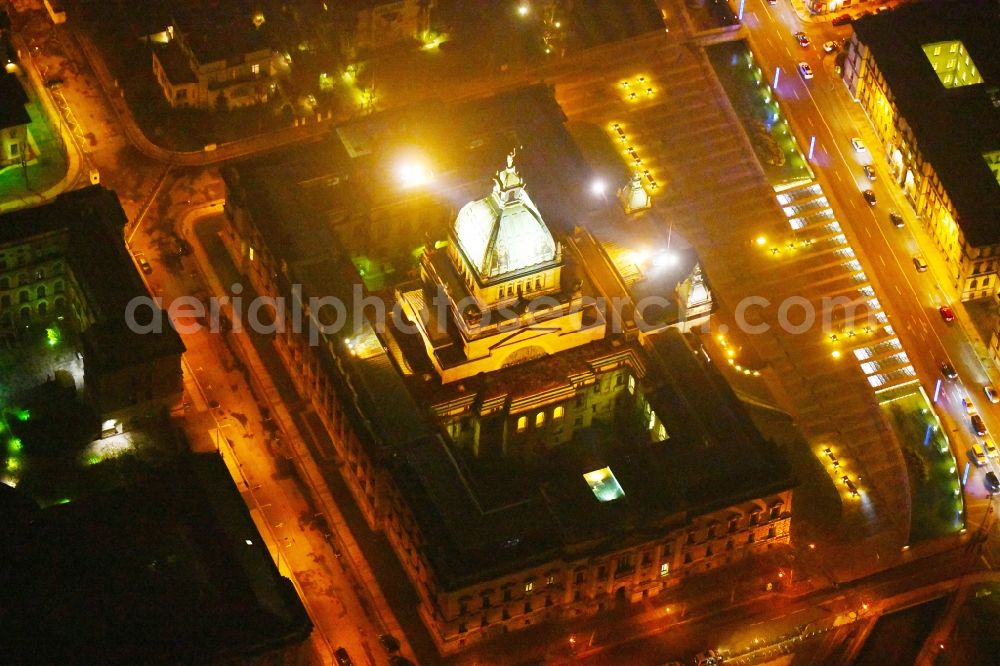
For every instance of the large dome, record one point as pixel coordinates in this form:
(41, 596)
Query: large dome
(504, 233)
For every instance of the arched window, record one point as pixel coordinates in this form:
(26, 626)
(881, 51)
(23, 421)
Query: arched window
(558, 413)
(23, 297)
(60, 286)
(42, 308)
(522, 423)
(539, 419)
(40, 292)
(25, 313)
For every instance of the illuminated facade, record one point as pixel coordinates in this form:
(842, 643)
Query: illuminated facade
(200, 67)
(933, 102)
(15, 146)
(525, 461)
(502, 278)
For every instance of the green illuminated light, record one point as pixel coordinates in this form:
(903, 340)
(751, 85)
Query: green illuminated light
(952, 63)
(52, 335)
(14, 445)
(23, 414)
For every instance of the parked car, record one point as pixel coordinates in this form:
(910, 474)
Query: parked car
(869, 171)
(920, 263)
(991, 448)
(977, 455)
(802, 39)
(842, 19)
(991, 482)
(805, 70)
(896, 219)
(144, 264)
(707, 658)
(991, 393)
(830, 47)
(869, 197)
(970, 409)
(858, 144)
(977, 425)
(948, 371)
(343, 659)
(947, 314)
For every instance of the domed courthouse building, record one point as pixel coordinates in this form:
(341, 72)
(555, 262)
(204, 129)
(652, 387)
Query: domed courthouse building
(533, 442)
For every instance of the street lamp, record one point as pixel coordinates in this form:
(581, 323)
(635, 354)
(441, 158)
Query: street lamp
(523, 9)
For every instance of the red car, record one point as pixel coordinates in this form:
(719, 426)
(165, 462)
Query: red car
(947, 314)
(843, 19)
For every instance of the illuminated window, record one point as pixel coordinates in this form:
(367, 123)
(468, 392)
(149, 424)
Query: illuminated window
(251, 254)
(255, 68)
(664, 568)
(539, 419)
(558, 413)
(529, 587)
(522, 424)
(661, 433)
(631, 384)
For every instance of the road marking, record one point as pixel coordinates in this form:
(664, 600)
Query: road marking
(898, 290)
(882, 259)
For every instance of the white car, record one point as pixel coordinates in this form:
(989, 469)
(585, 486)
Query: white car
(858, 144)
(991, 393)
(805, 70)
(970, 409)
(829, 47)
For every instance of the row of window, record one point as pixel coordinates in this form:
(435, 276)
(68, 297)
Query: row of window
(522, 287)
(25, 313)
(24, 296)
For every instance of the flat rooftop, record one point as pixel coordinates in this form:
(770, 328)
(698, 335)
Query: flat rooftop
(169, 568)
(954, 127)
(489, 515)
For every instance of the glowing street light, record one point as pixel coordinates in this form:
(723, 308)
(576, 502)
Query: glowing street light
(761, 240)
(413, 172)
(598, 187)
(523, 9)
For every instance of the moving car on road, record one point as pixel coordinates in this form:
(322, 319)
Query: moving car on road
(978, 455)
(896, 219)
(343, 659)
(977, 425)
(869, 197)
(805, 70)
(947, 314)
(991, 393)
(920, 263)
(830, 47)
(970, 409)
(948, 371)
(869, 171)
(991, 482)
(991, 448)
(802, 39)
(842, 19)
(858, 144)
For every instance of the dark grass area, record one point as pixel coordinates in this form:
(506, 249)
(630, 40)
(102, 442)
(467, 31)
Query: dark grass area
(975, 638)
(897, 637)
(937, 508)
(749, 91)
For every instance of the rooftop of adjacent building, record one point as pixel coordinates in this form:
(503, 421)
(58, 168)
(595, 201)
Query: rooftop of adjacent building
(954, 127)
(170, 567)
(12, 101)
(103, 269)
(175, 63)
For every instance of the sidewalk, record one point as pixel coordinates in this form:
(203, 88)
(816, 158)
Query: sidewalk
(295, 446)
